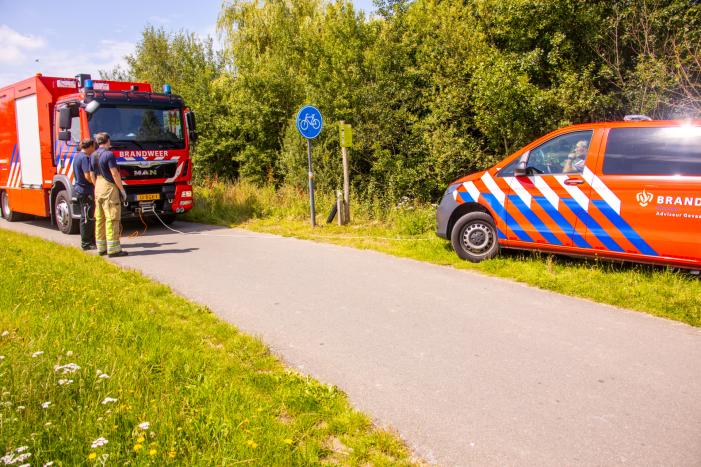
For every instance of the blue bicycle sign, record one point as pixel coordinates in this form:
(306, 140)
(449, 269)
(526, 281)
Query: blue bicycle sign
(309, 122)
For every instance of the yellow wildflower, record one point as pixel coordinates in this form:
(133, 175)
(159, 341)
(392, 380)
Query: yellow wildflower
(137, 447)
(287, 441)
(92, 455)
(171, 454)
(252, 443)
(152, 452)
(140, 439)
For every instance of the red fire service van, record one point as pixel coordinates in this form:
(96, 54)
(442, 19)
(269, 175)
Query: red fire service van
(43, 119)
(626, 190)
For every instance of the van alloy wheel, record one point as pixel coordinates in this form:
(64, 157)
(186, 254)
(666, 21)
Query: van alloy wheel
(474, 237)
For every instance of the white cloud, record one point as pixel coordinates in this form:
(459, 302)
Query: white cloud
(14, 46)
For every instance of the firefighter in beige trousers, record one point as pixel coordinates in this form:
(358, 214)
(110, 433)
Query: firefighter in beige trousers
(109, 193)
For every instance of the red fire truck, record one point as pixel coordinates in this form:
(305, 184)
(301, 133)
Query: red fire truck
(43, 119)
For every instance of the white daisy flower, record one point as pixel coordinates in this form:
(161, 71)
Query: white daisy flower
(67, 368)
(104, 376)
(99, 442)
(69, 353)
(36, 354)
(108, 400)
(144, 425)
(46, 405)
(5, 333)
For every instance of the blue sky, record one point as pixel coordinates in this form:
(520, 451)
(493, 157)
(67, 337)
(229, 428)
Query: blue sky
(67, 38)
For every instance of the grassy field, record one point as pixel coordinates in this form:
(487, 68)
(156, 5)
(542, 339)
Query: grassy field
(408, 231)
(101, 366)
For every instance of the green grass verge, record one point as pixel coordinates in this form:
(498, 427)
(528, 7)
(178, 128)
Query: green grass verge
(408, 232)
(210, 395)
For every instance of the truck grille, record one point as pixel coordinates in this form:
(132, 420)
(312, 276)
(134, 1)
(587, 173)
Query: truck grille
(147, 170)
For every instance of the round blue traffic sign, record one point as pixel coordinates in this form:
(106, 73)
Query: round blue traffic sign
(309, 121)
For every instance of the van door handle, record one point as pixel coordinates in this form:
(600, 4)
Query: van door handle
(574, 181)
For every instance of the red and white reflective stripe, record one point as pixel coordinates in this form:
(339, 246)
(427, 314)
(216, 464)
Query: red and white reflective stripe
(177, 174)
(15, 175)
(520, 191)
(605, 192)
(493, 188)
(548, 192)
(13, 167)
(574, 191)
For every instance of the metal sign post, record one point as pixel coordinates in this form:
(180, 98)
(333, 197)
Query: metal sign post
(309, 124)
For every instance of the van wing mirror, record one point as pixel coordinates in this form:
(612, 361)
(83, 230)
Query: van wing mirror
(520, 169)
(64, 118)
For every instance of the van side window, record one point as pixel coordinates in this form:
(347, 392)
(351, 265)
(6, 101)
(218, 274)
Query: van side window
(563, 154)
(653, 151)
(508, 170)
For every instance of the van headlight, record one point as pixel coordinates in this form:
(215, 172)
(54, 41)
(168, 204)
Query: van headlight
(186, 194)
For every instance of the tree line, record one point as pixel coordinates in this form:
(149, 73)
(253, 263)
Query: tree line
(434, 89)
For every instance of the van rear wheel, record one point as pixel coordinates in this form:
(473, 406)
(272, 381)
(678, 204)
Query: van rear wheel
(474, 237)
(7, 213)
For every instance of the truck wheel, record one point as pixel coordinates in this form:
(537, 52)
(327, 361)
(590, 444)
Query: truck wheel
(7, 212)
(474, 237)
(62, 214)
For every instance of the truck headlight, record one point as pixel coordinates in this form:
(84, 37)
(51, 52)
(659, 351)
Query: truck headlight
(186, 194)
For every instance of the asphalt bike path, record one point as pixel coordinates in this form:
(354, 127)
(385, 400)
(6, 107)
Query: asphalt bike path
(468, 369)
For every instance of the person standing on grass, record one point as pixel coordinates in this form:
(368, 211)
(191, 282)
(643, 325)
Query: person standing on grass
(84, 188)
(109, 194)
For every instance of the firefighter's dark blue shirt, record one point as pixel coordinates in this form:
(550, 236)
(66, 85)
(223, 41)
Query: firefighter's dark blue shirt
(102, 164)
(81, 166)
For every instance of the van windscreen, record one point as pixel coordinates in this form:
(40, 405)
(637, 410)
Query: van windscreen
(654, 151)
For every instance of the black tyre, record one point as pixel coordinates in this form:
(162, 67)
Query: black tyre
(474, 237)
(62, 214)
(7, 212)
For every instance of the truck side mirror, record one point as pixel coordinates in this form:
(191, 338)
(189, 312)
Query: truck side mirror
(520, 169)
(64, 135)
(92, 107)
(64, 118)
(191, 125)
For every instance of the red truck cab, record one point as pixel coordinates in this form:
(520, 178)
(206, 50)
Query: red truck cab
(42, 121)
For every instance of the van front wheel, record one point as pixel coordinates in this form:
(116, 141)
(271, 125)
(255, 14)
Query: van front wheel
(474, 237)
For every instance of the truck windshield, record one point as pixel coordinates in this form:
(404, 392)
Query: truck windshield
(140, 127)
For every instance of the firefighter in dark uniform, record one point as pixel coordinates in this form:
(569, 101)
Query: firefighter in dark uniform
(84, 189)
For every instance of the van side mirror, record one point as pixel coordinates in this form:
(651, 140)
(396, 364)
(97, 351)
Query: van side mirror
(64, 118)
(64, 135)
(520, 169)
